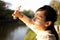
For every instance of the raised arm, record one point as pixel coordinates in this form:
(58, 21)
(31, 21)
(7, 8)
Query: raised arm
(22, 17)
(25, 19)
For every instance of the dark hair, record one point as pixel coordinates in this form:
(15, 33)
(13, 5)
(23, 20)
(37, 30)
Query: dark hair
(50, 15)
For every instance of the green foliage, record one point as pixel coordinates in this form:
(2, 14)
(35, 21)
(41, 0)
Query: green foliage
(56, 5)
(57, 22)
(4, 13)
(2, 4)
(30, 35)
(28, 13)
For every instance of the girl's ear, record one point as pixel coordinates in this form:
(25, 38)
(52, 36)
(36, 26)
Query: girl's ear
(48, 23)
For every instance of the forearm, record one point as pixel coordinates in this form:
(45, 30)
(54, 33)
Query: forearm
(25, 19)
(22, 17)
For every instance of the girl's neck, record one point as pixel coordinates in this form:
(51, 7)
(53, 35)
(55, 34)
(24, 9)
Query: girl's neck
(41, 28)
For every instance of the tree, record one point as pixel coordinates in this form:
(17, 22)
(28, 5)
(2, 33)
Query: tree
(56, 5)
(5, 16)
(5, 13)
(28, 13)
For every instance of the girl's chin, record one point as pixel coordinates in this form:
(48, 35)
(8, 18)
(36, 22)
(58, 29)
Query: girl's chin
(36, 23)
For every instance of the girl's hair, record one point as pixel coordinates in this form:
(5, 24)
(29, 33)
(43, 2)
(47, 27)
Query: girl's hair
(50, 15)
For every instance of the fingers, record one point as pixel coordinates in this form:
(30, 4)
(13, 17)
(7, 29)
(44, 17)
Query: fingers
(15, 14)
(18, 8)
(14, 17)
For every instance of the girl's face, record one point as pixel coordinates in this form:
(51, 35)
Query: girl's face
(39, 19)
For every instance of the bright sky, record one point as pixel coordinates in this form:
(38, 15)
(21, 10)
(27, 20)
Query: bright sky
(27, 4)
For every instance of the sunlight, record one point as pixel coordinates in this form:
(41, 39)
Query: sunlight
(27, 4)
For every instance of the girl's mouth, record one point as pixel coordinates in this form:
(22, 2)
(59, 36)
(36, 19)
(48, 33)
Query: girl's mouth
(36, 21)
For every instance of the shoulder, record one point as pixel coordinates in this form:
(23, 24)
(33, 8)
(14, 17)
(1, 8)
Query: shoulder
(46, 35)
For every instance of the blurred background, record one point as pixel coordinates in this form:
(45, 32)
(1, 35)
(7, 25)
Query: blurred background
(11, 29)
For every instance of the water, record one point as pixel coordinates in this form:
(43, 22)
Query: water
(17, 34)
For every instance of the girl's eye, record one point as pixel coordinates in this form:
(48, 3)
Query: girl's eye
(37, 14)
(41, 17)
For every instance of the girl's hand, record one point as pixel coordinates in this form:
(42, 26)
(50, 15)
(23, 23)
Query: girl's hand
(16, 13)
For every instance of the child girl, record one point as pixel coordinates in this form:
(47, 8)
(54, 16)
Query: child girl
(42, 23)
